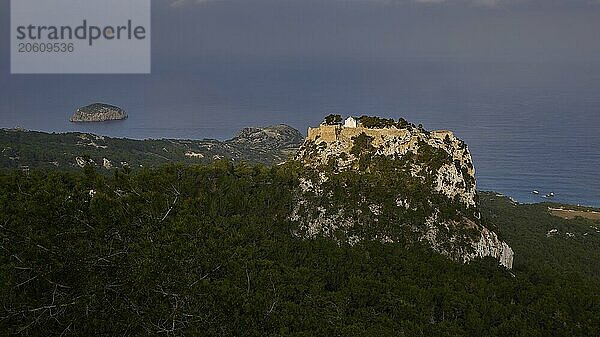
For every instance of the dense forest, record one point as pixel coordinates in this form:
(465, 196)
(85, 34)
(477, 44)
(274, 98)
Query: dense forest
(209, 250)
(541, 239)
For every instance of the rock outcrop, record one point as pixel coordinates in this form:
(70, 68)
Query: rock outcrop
(395, 182)
(280, 136)
(275, 143)
(98, 112)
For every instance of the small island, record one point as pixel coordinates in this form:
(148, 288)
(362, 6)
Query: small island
(98, 112)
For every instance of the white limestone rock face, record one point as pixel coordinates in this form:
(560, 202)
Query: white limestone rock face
(454, 178)
(82, 162)
(397, 183)
(490, 245)
(107, 164)
(192, 154)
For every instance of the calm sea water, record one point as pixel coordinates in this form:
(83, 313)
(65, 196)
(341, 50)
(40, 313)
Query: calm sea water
(529, 126)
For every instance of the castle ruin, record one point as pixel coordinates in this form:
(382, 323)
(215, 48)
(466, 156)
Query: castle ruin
(353, 128)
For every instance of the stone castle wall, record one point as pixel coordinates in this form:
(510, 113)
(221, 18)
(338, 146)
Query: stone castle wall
(332, 133)
(441, 134)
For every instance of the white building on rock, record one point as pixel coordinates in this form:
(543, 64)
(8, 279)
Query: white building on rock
(350, 122)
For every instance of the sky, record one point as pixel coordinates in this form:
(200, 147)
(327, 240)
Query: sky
(185, 30)
(198, 47)
(514, 30)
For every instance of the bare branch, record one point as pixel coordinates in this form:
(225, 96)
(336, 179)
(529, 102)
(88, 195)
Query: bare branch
(25, 282)
(248, 279)
(205, 276)
(170, 209)
(272, 307)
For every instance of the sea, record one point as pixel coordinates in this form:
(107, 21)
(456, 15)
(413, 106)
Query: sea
(530, 126)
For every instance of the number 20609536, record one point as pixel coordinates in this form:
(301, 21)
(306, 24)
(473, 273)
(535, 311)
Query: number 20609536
(46, 47)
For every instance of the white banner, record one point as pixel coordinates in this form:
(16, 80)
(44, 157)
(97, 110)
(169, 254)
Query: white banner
(80, 37)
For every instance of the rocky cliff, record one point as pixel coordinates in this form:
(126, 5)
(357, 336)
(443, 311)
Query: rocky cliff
(392, 181)
(264, 140)
(98, 112)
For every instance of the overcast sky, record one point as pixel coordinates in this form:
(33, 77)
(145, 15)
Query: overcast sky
(535, 30)
(239, 58)
(514, 30)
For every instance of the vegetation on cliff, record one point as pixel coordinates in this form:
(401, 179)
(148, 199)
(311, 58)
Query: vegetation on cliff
(374, 122)
(408, 186)
(333, 119)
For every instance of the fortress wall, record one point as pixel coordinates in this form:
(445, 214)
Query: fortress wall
(379, 135)
(441, 134)
(331, 133)
(326, 133)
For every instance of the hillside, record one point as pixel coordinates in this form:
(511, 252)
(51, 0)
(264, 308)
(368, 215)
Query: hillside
(208, 250)
(542, 239)
(29, 149)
